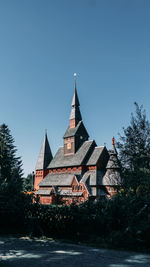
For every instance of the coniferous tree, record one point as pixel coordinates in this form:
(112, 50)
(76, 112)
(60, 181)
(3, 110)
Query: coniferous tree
(14, 203)
(134, 150)
(10, 164)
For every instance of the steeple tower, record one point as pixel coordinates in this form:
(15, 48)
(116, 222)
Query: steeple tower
(76, 133)
(43, 161)
(75, 115)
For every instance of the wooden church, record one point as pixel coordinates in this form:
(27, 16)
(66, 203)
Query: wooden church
(80, 169)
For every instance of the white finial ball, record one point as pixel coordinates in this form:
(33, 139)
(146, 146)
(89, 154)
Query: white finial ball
(74, 74)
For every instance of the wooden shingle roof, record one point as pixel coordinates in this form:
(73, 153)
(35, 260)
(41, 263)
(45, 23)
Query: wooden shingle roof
(95, 155)
(62, 179)
(78, 159)
(45, 155)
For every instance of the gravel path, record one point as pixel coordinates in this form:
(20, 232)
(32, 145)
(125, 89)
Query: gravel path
(20, 252)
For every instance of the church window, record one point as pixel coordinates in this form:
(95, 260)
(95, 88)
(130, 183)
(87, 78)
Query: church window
(76, 187)
(69, 146)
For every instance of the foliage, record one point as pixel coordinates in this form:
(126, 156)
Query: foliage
(10, 164)
(13, 201)
(134, 148)
(123, 221)
(13, 210)
(134, 151)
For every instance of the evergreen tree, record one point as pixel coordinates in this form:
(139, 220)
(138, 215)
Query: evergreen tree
(134, 150)
(10, 164)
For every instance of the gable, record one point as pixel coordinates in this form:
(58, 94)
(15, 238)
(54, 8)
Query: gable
(74, 181)
(99, 157)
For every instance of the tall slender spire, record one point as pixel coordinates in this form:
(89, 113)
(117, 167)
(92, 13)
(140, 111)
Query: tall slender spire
(45, 155)
(75, 115)
(75, 100)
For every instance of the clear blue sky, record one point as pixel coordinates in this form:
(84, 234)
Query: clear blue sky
(43, 42)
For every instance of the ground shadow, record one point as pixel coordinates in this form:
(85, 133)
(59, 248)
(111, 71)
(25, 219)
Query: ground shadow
(16, 252)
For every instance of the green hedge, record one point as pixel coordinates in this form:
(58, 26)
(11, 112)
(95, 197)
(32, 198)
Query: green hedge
(123, 221)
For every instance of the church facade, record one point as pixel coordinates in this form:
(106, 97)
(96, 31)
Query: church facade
(80, 170)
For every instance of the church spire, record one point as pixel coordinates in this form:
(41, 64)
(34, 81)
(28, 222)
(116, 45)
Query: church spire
(75, 100)
(45, 155)
(75, 115)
